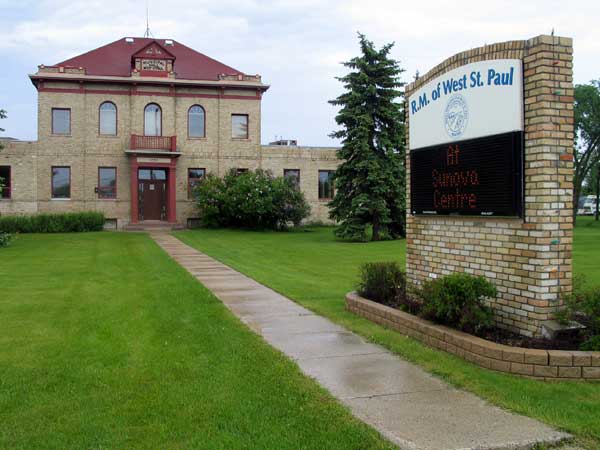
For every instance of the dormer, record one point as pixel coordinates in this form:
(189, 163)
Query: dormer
(153, 60)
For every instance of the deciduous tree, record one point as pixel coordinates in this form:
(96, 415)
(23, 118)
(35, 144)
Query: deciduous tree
(587, 135)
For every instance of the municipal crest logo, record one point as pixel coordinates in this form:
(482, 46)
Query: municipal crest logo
(456, 116)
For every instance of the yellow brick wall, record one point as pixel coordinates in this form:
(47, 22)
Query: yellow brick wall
(529, 258)
(22, 160)
(309, 160)
(85, 149)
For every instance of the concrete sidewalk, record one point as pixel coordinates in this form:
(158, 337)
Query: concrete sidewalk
(404, 403)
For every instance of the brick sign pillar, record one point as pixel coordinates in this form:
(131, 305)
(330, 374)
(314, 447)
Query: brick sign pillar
(528, 258)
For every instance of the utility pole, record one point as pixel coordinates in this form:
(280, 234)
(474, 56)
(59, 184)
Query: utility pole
(597, 194)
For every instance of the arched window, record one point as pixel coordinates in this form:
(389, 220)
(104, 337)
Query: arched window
(196, 122)
(152, 120)
(108, 118)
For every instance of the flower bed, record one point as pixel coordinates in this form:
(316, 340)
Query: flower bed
(543, 364)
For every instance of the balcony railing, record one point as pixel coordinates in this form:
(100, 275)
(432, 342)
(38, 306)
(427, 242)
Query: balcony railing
(165, 143)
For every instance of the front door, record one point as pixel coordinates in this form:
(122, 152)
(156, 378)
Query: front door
(152, 194)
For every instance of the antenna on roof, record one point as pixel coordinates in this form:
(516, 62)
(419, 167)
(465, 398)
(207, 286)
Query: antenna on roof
(147, 33)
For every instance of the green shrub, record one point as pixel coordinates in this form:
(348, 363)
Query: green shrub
(253, 199)
(586, 302)
(5, 239)
(457, 300)
(383, 282)
(53, 223)
(583, 305)
(592, 344)
(315, 224)
(210, 198)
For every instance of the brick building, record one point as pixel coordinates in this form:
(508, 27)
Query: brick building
(130, 127)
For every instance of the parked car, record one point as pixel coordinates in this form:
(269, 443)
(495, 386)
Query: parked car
(587, 205)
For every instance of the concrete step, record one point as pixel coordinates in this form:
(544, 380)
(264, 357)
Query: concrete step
(154, 226)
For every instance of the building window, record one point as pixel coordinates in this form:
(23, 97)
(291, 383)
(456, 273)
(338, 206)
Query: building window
(239, 126)
(194, 178)
(108, 119)
(152, 120)
(5, 182)
(326, 184)
(152, 174)
(293, 175)
(240, 171)
(196, 122)
(61, 121)
(107, 182)
(61, 182)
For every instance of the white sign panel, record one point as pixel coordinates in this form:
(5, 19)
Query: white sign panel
(475, 100)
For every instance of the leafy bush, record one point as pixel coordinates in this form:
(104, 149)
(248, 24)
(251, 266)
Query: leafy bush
(317, 223)
(210, 196)
(5, 239)
(383, 282)
(457, 300)
(253, 199)
(583, 305)
(53, 223)
(592, 344)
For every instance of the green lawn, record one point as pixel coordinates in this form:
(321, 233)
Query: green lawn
(316, 270)
(106, 343)
(586, 249)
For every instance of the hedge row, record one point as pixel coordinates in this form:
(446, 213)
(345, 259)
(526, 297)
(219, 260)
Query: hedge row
(53, 223)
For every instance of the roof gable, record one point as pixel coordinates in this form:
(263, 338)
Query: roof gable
(155, 51)
(115, 59)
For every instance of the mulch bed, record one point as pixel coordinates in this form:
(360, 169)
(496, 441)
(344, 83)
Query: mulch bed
(570, 341)
(506, 337)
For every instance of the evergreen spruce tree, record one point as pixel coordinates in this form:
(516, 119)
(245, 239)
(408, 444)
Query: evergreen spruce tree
(370, 182)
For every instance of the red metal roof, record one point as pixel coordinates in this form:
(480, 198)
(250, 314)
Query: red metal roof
(114, 59)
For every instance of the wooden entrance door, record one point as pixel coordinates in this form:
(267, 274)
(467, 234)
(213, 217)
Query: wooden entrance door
(152, 194)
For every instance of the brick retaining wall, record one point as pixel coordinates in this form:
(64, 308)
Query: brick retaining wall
(543, 364)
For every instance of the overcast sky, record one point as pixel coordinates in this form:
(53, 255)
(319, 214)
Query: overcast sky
(296, 45)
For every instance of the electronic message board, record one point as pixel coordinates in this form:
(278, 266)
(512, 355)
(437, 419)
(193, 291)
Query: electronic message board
(481, 176)
(466, 141)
